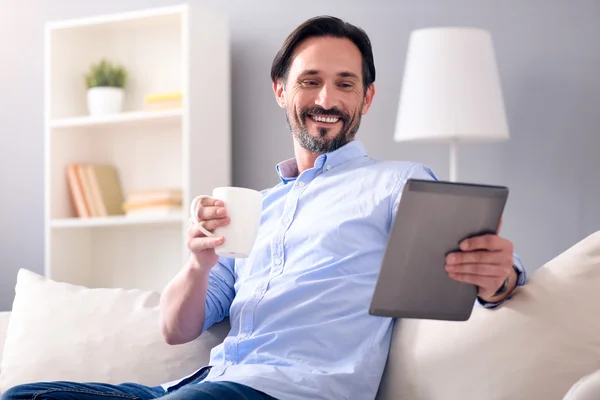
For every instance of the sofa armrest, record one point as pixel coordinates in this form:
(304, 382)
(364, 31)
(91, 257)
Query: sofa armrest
(587, 388)
(4, 316)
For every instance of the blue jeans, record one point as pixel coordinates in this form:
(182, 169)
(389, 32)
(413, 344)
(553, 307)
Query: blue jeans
(192, 388)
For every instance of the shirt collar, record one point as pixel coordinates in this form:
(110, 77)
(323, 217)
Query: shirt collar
(288, 169)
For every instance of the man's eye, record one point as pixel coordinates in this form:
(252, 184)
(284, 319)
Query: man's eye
(309, 83)
(345, 85)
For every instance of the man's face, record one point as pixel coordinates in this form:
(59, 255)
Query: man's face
(323, 94)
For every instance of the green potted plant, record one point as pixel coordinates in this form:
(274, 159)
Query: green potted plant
(105, 83)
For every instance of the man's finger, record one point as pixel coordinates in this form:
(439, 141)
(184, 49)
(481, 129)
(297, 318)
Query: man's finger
(210, 225)
(198, 244)
(480, 257)
(210, 212)
(486, 242)
(486, 283)
(477, 269)
(210, 202)
(205, 202)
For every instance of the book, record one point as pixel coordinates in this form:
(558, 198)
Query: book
(155, 211)
(161, 101)
(162, 96)
(77, 195)
(95, 190)
(153, 201)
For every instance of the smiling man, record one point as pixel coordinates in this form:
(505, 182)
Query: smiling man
(326, 85)
(298, 305)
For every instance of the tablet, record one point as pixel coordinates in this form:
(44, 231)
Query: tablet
(433, 217)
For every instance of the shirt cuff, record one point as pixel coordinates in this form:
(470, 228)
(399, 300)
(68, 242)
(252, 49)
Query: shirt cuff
(521, 278)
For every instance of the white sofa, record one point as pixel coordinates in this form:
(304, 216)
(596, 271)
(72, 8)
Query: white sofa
(544, 343)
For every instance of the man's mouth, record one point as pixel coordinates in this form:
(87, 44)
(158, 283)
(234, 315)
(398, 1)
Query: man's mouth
(324, 119)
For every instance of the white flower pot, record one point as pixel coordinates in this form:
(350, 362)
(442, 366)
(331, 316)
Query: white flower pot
(105, 100)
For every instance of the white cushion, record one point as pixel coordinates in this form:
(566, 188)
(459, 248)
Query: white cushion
(59, 331)
(4, 317)
(535, 346)
(587, 388)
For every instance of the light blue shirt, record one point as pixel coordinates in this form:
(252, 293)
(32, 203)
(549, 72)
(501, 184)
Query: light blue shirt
(298, 306)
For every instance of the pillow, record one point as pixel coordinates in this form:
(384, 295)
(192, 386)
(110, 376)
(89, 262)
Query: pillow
(587, 388)
(59, 331)
(535, 346)
(4, 317)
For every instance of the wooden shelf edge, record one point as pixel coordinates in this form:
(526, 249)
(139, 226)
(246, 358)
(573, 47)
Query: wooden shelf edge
(128, 16)
(124, 117)
(61, 223)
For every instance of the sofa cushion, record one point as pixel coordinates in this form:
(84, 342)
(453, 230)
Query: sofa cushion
(4, 316)
(587, 388)
(535, 346)
(60, 331)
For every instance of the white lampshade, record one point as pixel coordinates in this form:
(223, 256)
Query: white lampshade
(451, 89)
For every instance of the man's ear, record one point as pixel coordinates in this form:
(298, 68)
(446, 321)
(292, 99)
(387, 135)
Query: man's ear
(279, 90)
(368, 98)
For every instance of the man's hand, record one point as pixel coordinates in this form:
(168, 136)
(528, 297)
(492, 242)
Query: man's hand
(485, 261)
(211, 213)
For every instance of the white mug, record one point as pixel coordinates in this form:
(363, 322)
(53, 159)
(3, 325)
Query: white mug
(244, 208)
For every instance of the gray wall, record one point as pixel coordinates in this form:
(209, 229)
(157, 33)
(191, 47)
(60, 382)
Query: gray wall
(549, 65)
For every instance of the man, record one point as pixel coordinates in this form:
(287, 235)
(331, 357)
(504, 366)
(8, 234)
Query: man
(298, 306)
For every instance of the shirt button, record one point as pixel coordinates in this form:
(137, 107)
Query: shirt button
(277, 261)
(243, 335)
(285, 220)
(300, 184)
(258, 293)
(228, 363)
(328, 167)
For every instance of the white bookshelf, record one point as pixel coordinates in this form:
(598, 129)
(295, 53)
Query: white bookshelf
(181, 48)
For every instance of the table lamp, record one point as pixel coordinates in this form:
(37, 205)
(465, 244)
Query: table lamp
(451, 90)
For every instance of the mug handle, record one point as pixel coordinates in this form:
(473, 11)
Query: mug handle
(194, 216)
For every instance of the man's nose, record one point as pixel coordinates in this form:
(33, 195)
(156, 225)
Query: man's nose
(327, 97)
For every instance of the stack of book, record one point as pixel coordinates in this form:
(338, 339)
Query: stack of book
(153, 202)
(162, 101)
(95, 190)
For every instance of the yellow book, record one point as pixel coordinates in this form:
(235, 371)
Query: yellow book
(163, 97)
(107, 185)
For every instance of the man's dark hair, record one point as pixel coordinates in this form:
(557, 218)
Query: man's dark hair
(325, 26)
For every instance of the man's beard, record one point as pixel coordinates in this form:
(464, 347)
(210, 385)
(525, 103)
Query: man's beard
(321, 144)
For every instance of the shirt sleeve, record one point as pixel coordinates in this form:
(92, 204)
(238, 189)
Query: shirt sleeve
(220, 292)
(416, 171)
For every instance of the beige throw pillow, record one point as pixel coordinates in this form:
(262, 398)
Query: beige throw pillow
(4, 318)
(536, 346)
(59, 331)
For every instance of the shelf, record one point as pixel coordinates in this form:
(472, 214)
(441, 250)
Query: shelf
(175, 218)
(164, 50)
(149, 17)
(121, 118)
